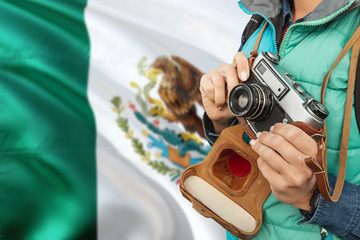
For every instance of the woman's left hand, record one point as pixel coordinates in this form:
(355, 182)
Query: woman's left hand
(282, 154)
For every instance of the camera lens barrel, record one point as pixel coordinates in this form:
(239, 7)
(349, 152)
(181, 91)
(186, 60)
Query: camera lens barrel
(251, 101)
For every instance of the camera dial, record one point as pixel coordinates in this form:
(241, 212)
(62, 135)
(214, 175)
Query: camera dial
(317, 109)
(275, 58)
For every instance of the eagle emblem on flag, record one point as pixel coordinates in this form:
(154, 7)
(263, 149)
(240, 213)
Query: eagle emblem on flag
(177, 101)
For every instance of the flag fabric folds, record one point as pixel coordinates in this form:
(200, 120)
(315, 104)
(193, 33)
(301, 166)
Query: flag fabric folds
(48, 137)
(100, 114)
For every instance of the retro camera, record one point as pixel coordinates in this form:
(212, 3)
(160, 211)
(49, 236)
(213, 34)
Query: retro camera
(271, 95)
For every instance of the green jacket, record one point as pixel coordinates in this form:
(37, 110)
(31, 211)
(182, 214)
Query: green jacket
(307, 51)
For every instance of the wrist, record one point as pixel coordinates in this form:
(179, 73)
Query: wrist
(313, 204)
(221, 125)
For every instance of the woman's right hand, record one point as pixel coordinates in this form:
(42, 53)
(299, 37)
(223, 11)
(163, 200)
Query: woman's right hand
(215, 87)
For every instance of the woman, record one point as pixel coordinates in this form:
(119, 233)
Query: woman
(308, 35)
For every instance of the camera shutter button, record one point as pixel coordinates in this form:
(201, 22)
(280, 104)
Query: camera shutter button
(290, 78)
(300, 90)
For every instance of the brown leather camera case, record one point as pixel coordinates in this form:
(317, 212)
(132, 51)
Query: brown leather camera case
(234, 202)
(215, 192)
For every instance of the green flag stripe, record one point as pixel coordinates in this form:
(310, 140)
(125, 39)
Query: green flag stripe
(47, 128)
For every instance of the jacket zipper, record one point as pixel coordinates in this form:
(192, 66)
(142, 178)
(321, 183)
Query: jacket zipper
(270, 24)
(318, 22)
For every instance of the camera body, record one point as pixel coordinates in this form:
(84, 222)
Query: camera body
(271, 95)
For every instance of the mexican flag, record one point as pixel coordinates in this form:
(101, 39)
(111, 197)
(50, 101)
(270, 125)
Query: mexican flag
(100, 113)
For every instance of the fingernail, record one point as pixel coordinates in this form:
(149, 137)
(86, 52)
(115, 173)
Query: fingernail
(243, 76)
(271, 128)
(252, 142)
(220, 108)
(258, 134)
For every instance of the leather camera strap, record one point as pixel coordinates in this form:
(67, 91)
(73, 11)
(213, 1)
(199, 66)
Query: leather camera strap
(320, 166)
(254, 52)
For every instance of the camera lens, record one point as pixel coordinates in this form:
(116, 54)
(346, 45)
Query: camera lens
(251, 101)
(243, 100)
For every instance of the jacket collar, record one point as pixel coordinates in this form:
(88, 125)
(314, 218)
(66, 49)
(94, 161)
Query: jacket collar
(272, 9)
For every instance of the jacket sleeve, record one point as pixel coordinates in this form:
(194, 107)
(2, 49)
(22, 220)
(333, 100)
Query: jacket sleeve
(208, 126)
(341, 218)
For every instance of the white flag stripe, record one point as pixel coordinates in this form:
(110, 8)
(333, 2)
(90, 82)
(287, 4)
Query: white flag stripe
(134, 201)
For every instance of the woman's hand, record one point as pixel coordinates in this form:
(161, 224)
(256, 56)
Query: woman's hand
(282, 154)
(217, 84)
